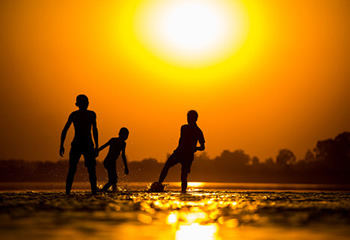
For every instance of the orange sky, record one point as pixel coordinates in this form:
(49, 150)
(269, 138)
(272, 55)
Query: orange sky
(286, 86)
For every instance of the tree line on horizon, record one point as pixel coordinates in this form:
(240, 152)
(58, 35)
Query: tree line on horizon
(327, 163)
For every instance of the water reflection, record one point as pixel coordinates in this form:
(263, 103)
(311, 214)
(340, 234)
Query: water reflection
(195, 184)
(197, 231)
(194, 224)
(172, 215)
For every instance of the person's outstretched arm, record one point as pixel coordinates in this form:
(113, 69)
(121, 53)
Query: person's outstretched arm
(104, 145)
(124, 161)
(64, 134)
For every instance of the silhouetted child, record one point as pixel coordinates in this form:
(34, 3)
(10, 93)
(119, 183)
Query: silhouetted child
(184, 153)
(83, 121)
(116, 145)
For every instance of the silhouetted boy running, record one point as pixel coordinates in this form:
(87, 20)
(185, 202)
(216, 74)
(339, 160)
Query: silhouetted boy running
(83, 120)
(116, 145)
(184, 153)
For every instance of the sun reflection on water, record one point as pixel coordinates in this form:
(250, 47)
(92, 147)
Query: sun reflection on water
(200, 215)
(197, 231)
(195, 184)
(193, 225)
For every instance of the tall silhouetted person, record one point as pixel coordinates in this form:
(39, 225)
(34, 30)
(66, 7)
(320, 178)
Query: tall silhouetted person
(184, 153)
(116, 145)
(83, 121)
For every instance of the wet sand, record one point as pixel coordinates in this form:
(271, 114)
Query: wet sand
(200, 214)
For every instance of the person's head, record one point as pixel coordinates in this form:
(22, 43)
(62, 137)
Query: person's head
(124, 133)
(82, 101)
(192, 117)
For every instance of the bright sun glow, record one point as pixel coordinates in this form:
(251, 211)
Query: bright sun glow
(197, 231)
(195, 184)
(191, 32)
(191, 26)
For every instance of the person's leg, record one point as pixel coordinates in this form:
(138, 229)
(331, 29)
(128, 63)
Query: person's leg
(186, 162)
(90, 163)
(74, 157)
(92, 178)
(111, 179)
(164, 173)
(184, 181)
(172, 160)
(106, 186)
(115, 180)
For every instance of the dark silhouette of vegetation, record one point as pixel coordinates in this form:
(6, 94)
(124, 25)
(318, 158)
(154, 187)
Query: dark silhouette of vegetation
(328, 163)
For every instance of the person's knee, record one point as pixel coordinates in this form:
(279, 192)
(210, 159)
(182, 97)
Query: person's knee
(73, 163)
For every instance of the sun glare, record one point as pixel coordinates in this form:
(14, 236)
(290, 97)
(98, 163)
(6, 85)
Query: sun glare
(195, 184)
(197, 231)
(191, 32)
(191, 27)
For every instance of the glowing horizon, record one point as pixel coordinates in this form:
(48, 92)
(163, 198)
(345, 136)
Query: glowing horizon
(283, 84)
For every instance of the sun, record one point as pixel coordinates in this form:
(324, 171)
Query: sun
(191, 33)
(191, 27)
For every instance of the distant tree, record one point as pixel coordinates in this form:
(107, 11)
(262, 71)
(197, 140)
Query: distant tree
(236, 158)
(149, 161)
(203, 156)
(329, 163)
(269, 162)
(285, 157)
(309, 156)
(335, 152)
(255, 161)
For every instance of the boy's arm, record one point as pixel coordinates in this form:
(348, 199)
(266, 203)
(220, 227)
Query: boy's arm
(104, 145)
(95, 131)
(201, 146)
(64, 134)
(201, 142)
(124, 161)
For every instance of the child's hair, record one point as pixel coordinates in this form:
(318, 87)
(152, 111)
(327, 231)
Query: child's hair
(124, 132)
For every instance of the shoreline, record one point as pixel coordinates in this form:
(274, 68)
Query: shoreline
(194, 186)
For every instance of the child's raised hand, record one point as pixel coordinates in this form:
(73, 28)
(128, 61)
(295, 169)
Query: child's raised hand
(61, 151)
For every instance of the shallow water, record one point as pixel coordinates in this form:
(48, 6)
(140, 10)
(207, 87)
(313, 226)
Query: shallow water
(201, 214)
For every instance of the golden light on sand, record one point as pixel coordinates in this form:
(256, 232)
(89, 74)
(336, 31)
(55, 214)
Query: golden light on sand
(191, 33)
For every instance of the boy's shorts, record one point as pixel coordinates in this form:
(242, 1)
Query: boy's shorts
(87, 151)
(185, 159)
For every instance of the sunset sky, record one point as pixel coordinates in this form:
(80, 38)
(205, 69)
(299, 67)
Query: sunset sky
(263, 75)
